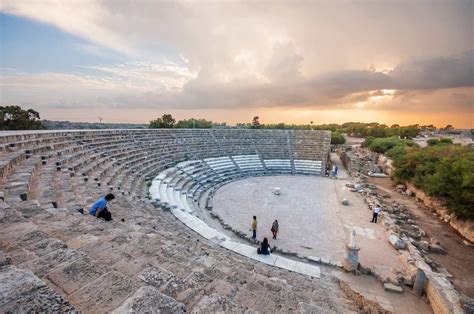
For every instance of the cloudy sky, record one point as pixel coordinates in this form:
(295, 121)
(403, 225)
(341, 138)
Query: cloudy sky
(398, 61)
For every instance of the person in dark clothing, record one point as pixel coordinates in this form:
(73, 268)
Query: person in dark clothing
(375, 215)
(264, 248)
(274, 229)
(99, 208)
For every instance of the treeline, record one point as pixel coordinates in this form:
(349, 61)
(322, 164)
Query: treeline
(168, 122)
(68, 125)
(357, 129)
(390, 146)
(444, 170)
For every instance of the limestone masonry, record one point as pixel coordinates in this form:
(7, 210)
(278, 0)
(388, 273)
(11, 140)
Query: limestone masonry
(53, 258)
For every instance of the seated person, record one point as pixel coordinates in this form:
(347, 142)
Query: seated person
(99, 208)
(264, 248)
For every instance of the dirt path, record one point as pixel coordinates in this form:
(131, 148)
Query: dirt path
(460, 258)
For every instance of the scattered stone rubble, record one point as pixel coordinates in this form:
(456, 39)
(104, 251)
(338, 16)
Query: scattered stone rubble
(360, 162)
(402, 231)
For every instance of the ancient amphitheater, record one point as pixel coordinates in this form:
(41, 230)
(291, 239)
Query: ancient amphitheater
(157, 254)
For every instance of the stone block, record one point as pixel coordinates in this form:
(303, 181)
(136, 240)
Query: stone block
(392, 288)
(45, 246)
(424, 245)
(114, 289)
(436, 248)
(23, 292)
(76, 274)
(149, 300)
(396, 242)
(215, 303)
(43, 265)
(156, 276)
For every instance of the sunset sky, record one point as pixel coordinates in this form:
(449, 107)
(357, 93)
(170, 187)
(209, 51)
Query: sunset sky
(398, 61)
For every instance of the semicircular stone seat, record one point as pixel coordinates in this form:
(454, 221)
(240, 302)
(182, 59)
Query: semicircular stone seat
(54, 258)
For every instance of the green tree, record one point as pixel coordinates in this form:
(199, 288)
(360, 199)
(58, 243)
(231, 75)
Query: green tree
(428, 127)
(368, 140)
(16, 118)
(256, 123)
(379, 131)
(449, 127)
(445, 171)
(440, 141)
(385, 145)
(337, 138)
(165, 122)
(410, 131)
(194, 123)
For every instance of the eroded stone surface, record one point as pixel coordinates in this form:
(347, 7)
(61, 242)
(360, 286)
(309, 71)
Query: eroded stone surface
(149, 300)
(21, 291)
(9, 215)
(76, 274)
(156, 277)
(46, 263)
(215, 303)
(105, 293)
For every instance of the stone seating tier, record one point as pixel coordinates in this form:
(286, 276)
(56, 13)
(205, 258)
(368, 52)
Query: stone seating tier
(50, 244)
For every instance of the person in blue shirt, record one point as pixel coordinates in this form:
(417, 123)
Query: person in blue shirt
(99, 208)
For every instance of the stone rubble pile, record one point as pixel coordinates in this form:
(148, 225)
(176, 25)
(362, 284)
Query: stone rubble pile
(360, 162)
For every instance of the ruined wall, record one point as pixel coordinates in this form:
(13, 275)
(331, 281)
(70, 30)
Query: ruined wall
(464, 227)
(442, 296)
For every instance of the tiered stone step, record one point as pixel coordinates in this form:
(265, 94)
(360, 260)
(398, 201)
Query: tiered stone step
(150, 259)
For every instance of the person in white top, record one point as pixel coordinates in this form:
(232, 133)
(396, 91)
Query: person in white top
(376, 213)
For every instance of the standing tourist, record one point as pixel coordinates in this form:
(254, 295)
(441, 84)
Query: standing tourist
(275, 229)
(99, 208)
(376, 213)
(253, 227)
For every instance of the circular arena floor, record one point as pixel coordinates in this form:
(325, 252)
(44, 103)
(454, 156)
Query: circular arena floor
(307, 212)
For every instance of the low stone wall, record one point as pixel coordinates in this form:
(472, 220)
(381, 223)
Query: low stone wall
(442, 296)
(464, 227)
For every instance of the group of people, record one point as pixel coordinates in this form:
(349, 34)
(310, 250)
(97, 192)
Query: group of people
(99, 210)
(333, 173)
(265, 247)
